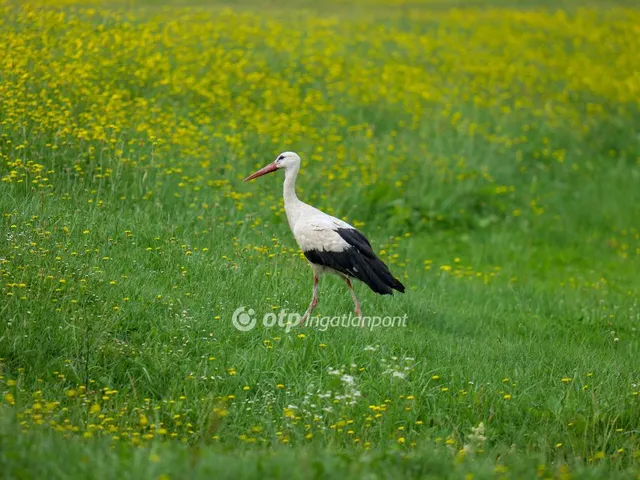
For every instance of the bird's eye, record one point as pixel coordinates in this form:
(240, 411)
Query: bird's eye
(281, 157)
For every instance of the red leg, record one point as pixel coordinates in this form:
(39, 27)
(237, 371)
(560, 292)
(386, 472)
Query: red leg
(355, 300)
(314, 301)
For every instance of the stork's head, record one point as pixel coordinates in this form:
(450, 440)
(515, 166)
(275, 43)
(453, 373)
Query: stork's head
(286, 160)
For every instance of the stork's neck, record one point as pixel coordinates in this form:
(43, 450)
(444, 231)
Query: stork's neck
(291, 202)
(289, 191)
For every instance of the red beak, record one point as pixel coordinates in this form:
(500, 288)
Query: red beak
(263, 171)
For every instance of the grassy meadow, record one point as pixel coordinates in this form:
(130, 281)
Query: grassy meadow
(489, 150)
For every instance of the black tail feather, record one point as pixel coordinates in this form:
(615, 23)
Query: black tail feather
(367, 268)
(380, 279)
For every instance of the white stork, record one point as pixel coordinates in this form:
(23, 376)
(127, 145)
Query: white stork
(329, 244)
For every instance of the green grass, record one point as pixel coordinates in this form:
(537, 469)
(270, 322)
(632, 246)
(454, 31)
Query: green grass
(118, 358)
(100, 460)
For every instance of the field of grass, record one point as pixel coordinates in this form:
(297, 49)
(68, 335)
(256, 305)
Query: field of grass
(490, 152)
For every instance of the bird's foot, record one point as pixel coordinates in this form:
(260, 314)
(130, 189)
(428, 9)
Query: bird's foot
(307, 314)
(305, 317)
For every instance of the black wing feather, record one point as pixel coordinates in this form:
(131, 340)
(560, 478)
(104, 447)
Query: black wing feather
(357, 240)
(358, 261)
